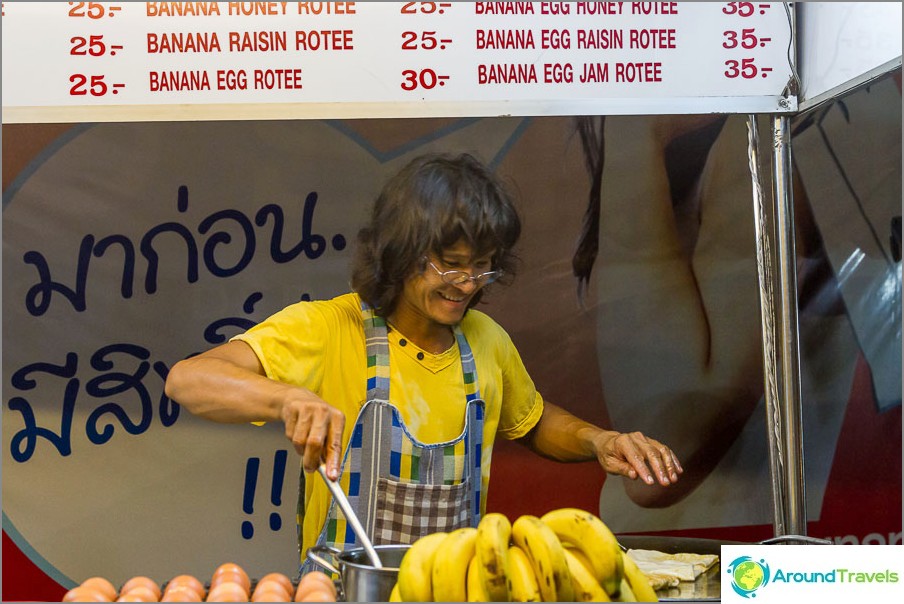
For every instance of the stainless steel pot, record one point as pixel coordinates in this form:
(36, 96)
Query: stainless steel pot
(359, 579)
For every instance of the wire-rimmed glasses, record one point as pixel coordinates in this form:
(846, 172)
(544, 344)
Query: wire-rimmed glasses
(456, 277)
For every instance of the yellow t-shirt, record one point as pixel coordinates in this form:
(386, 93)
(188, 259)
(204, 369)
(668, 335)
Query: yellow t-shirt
(320, 345)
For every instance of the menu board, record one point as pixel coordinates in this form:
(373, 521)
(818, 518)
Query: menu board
(120, 61)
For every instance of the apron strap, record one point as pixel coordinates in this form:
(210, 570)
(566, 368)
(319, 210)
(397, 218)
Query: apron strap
(375, 335)
(468, 366)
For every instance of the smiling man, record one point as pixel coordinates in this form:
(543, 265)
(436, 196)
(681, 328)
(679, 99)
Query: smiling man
(400, 387)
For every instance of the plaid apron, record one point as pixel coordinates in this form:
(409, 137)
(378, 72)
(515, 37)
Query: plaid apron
(400, 488)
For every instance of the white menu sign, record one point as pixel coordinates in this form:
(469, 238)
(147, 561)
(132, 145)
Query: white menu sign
(116, 61)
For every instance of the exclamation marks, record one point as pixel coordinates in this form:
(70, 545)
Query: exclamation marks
(252, 469)
(279, 471)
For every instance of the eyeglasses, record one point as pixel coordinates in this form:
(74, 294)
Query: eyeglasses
(461, 277)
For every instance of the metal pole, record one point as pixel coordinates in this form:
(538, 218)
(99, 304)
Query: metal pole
(792, 426)
(765, 246)
(777, 276)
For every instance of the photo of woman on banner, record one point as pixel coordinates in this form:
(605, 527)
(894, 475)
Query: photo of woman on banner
(684, 234)
(400, 387)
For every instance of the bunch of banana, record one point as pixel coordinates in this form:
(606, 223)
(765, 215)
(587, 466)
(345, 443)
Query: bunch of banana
(415, 580)
(475, 588)
(522, 582)
(450, 565)
(566, 555)
(547, 558)
(586, 587)
(590, 535)
(494, 534)
(591, 544)
(435, 567)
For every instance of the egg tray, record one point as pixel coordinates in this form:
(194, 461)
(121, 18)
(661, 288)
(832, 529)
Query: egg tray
(254, 582)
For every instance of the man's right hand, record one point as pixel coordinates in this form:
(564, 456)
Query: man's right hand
(315, 429)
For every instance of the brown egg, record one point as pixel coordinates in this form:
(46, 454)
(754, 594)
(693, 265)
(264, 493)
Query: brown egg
(227, 591)
(84, 594)
(139, 593)
(181, 593)
(230, 571)
(189, 581)
(318, 595)
(271, 592)
(280, 578)
(140, 581)
(232, 577)
(270, 585)
(102, 585)
(229, 567)
(315, 581)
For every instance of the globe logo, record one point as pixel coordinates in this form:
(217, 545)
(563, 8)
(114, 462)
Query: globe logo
(748, 575)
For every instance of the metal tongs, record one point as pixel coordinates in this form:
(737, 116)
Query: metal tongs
(351, 517)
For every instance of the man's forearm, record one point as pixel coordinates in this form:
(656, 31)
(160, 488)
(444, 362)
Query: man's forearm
(561, 436)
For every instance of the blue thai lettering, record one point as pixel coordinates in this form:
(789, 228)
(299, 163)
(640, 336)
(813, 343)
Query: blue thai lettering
(223, 237)
(150, 279)
(128, 263)
(39, 296)
(23, 443)
(212, 332)
(312, 245)
(116, 383)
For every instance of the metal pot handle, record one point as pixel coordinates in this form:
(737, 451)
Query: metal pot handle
(318, 553)
(795, 538)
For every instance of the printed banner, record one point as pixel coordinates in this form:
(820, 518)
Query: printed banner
(127, 247)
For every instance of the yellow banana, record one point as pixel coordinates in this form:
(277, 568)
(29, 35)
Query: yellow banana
(625, 593)
(450, 565)
(394, 595)
(415, 570)
(589, 534)
(493, 535)
(586, 587)
(547, 557)
(581, 557)
(640, 585)
(476, 591)
(522, 584)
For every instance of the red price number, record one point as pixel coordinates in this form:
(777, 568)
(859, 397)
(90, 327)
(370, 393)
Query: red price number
(92, 10)
(426, 40)
(745, 9)
(745, 68)
(94, 85)
(747, 39)
(92, 45)
(427, 79)
(425, 8)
